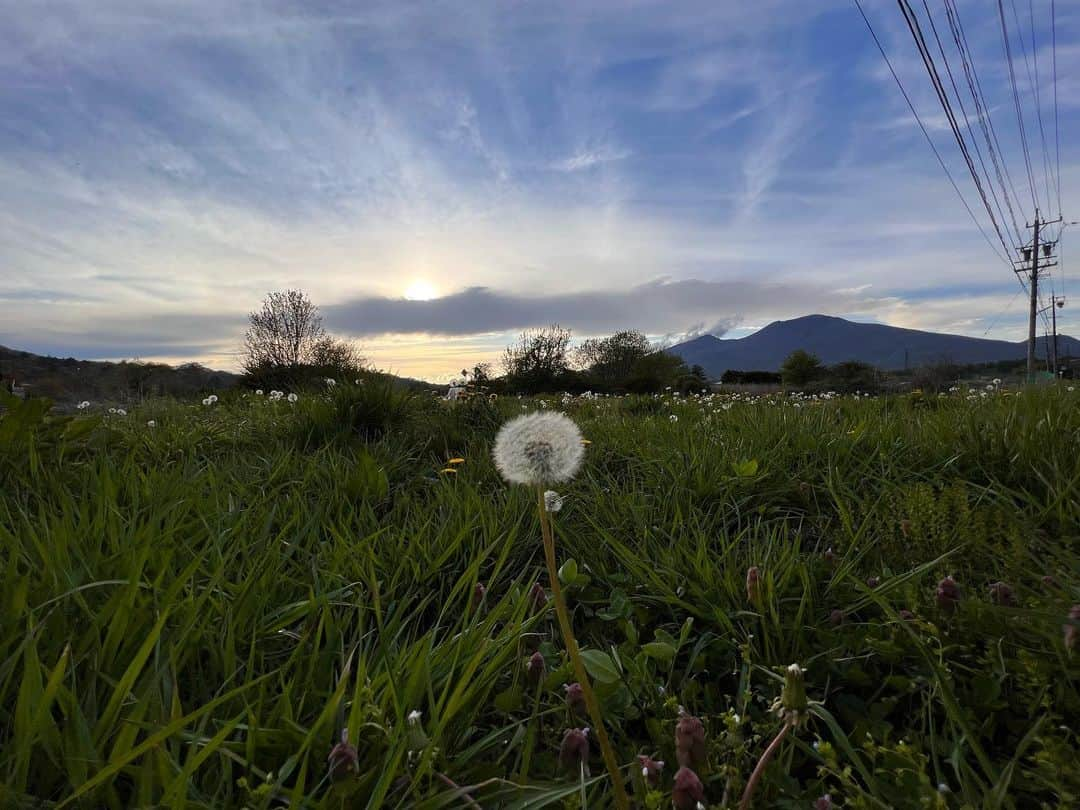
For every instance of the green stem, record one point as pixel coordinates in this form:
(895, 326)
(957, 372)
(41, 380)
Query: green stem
(622, 801)
(755, 777)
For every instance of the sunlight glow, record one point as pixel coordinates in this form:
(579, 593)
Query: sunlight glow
(421, 290)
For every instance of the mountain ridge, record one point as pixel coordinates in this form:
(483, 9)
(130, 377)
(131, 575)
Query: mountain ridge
(834, 340)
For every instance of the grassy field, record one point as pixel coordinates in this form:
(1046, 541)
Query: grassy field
(194, 610)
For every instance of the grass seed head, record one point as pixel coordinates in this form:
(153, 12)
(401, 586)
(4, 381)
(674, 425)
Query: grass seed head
(753, 584)
(948, 594)
(1001, 595)
(650, 770)
(536, 667)
(574, 751)
(688, 792)
(575, 700)
(690, 749)
(1072, 627)
(538, 596)
(344, 761)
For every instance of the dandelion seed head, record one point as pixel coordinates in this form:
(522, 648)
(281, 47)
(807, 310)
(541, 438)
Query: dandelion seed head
(293, 398)
(553, 501)
(84, 405)
(538, 448)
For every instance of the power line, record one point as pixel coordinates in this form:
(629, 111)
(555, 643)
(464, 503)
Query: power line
(926, 134)
(1034, 85)
(967, 122)
(1016, 102)
(1057, 131)
(982, 109)
(935, 79)
(1006, 309)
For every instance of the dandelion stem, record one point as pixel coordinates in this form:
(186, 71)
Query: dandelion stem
(759, 769)
(622, 801)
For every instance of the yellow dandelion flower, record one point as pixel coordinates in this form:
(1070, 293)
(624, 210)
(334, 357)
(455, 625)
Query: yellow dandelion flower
(456, 461)
(448, 470)
(586, 442)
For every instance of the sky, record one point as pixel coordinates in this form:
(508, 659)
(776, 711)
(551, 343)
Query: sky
(439, 176)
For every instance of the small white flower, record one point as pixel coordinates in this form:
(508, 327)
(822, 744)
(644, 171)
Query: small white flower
(207, 401)
(674, 417)
(121, 412)
(151, 423)
(538, 448)
(212, 398)
(112, 410)
(553, 501)
(293, 397)
(258, 392)
(82, 406)
(414, 717)
(331, 381)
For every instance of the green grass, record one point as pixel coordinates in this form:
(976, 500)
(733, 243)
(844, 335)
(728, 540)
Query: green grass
(191, 613)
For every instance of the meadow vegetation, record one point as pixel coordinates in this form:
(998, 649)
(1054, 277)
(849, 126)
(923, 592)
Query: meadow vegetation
(201, 601)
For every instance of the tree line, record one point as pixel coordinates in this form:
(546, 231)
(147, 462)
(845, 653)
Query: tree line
(286, 346)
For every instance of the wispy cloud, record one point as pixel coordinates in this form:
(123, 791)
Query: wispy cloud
(162, 166)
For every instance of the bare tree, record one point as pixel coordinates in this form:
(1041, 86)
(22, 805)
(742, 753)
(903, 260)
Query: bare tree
(285, 332)
(538, 359)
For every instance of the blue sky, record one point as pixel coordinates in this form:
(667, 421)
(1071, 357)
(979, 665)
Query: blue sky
(439, 176)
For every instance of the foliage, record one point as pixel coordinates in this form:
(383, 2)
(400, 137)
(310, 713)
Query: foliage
(801, 368)
(612, 359)
(539, 360)
(192, 612)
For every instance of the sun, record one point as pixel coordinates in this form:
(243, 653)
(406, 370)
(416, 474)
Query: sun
(421, 290)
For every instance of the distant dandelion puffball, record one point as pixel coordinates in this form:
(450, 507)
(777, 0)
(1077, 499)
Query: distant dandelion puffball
(293, 397)
(539, 448)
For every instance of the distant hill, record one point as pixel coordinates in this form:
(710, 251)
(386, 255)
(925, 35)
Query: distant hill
(66, 379)
(70, 380)
(834, 340)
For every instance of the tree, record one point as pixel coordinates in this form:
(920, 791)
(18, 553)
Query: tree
(538, 360)
(612, 359)
(852, 375)
(482, 374)
(285, 332)
(801, 368)
(338, 355)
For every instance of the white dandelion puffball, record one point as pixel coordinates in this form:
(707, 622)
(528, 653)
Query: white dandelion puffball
(121, 412)
(553, 501)
(86, 404)
(151, 424)
(538, 448)
(293, 397)
(258, 392)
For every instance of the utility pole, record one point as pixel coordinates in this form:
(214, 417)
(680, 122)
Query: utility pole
(1056, 303)
(1033, 277)
(1033, 270)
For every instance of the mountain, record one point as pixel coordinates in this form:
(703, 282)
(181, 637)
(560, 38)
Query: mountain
(834, 340)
